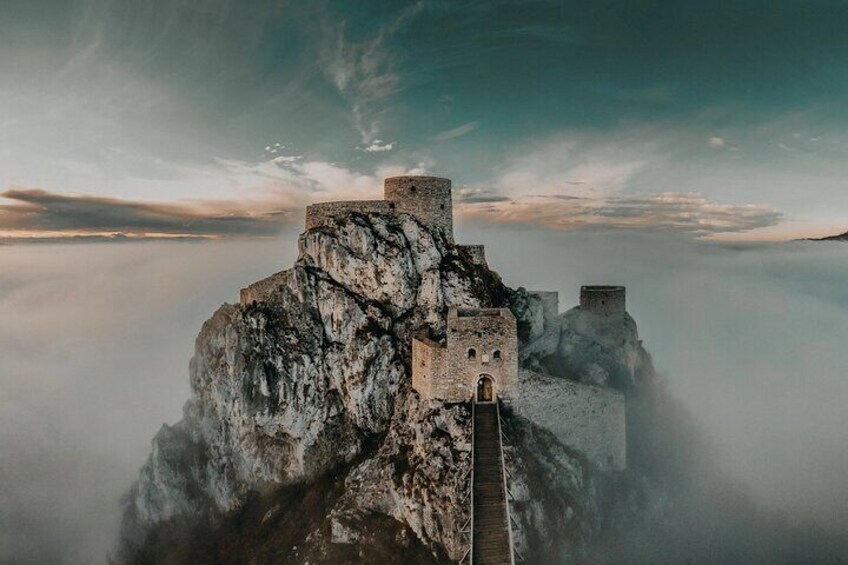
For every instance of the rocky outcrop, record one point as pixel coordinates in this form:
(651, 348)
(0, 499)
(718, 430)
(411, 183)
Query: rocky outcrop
(307, 387)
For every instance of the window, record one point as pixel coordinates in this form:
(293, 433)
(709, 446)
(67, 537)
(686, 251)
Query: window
(496, 354)
(472, 353)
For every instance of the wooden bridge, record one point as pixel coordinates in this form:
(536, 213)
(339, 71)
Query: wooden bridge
(491, 536)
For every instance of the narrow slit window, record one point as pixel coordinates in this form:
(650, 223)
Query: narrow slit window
(496, 354)
(472, 353)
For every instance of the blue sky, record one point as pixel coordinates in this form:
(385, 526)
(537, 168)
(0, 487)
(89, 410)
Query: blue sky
(222, 118)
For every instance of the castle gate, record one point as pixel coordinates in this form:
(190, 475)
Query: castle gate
(485, 389)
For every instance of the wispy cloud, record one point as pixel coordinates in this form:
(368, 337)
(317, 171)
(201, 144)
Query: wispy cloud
(456, 132)
(379, 146)
(365, 72)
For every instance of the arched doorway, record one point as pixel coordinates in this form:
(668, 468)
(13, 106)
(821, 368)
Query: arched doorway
(485, 389)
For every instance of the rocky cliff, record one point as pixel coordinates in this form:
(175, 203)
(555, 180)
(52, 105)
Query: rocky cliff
(303, 441)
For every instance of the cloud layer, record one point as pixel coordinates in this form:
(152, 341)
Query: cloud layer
(95, 342)
(41, 213)
(668, 212)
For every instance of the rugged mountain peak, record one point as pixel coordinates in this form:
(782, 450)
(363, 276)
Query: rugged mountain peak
(305, 387)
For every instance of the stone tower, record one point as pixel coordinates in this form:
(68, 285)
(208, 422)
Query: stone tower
(426, 198)
(607, 301)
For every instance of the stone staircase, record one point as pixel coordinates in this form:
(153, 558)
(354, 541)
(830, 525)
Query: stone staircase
(491, 535)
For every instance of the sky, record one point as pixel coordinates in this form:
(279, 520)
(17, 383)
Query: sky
(222, 119)
(594, 142)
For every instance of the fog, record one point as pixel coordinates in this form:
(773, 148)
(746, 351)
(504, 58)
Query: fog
(95, 341)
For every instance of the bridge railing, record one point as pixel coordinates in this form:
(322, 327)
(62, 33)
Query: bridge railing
(469, 553)
(505, 489)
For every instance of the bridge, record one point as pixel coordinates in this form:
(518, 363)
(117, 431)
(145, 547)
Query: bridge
(491, 536)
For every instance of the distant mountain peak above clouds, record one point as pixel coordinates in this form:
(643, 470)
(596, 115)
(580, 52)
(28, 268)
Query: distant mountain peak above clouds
(840, 237)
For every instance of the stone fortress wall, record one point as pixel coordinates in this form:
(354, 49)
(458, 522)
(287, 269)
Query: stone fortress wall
(588, 418)
(608, 301)
(480, 341)
(325, 213)
(262, 289)
(426, 198)
(428, 364)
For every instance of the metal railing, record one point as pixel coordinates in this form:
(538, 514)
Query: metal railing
(502, 437)
(469, 553)
(505, 489)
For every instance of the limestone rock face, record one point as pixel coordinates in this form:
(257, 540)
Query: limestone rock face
(290, 388)
(310, 389)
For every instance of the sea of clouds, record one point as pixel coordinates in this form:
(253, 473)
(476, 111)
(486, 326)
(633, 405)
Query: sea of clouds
(95, 341)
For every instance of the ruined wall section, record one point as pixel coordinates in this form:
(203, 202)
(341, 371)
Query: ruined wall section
(428, 365)
(262, 289)
(486, 331)
(426, 198)
(325, 213)
(608, 301)
(588, 418)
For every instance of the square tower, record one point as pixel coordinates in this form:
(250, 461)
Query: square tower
(479, 360)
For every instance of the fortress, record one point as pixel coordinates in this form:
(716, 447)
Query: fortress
(478, 359)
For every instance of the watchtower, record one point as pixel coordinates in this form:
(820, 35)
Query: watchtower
(607, 301)
(426, 198)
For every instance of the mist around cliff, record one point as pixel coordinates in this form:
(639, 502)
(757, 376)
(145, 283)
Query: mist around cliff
(95, 341)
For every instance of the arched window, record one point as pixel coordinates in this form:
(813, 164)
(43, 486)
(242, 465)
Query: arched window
(496, 354)
(472, 353)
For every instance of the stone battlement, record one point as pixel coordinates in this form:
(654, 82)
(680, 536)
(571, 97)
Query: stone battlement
(262, 290)
(608, 301)
(325, 213)
(426, 198)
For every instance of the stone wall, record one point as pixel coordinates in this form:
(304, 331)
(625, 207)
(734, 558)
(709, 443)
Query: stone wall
(324, 213)
(261, 290)
(588, 418)
(428, 364)
(603, 300)
(476, 252)
(426, 198)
